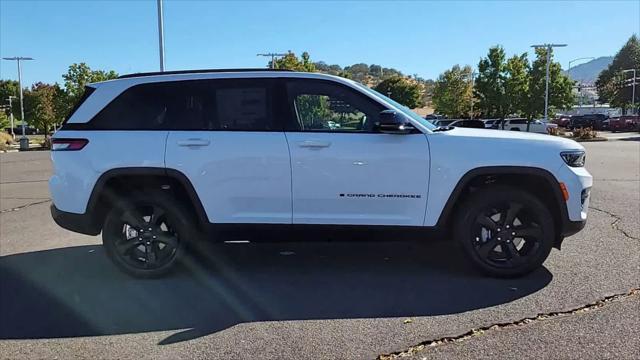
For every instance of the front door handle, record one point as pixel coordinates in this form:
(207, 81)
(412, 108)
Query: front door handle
(314, 144)
(194, 142)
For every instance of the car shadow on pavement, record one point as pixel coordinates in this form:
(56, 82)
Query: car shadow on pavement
(76, 291)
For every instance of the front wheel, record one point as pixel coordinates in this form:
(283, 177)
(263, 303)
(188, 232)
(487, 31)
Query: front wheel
(504, 231)
(145, 235)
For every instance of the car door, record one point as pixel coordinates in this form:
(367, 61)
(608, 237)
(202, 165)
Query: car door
(343, 170)
(229, 142)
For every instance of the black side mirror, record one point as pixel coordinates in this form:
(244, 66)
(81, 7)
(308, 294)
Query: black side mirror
(391, 122)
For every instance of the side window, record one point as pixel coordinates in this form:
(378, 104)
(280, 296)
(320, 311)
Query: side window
(243, 108)
(324, 106)
(157, 106)
(518, 121)
(191, 105)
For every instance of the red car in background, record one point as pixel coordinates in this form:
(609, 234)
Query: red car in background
(625, 123)
(563, 120)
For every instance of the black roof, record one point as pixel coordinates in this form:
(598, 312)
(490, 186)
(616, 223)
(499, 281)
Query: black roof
(178, 72)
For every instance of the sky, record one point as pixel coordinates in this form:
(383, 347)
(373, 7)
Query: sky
(417, 37)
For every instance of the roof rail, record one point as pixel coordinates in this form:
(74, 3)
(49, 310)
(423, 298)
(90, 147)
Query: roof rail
(177, 72)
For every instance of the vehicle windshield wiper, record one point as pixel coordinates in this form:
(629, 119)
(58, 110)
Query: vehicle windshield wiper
(443, 128)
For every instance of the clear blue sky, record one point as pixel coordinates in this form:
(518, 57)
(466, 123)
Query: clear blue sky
(423, 38)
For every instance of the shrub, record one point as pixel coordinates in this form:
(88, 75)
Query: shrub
(584, 133)
(5, 140)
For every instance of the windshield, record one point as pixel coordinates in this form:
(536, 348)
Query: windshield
(405, 110)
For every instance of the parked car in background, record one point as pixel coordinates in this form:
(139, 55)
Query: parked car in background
(443, 123)
(488, 123)
(594, 121)
(477, 124)
(433, 117)
(520, 124)
(563, 120)
(625, 123)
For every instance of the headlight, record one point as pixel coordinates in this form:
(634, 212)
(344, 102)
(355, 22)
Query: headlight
(574, 158)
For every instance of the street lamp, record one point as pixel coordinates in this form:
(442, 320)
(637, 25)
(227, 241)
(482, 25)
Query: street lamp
(578, 59)
(580, 86)
(10, 98)
(546, 91)
(161, 34)
(633, 90)
(24, 142)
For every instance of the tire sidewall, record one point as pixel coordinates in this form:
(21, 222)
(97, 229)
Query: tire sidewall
(112, 226)
(465, 220)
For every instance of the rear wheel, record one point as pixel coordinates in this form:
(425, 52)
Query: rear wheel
(504, 231)
(145, 235)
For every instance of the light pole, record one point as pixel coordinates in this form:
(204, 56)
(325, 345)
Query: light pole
(273, 57)
(161, 34)
(633, 90)
(24, 142)
(580, 86)
(546, 91)
(10, 98)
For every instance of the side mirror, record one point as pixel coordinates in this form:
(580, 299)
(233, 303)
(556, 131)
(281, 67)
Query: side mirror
(391, 122)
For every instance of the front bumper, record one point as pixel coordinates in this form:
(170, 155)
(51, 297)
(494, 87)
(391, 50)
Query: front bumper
(80, 223)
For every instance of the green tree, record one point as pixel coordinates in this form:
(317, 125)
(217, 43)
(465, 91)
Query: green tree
(615, 87)
(452, 93)
(77, 77)
(405, 91)
(516, 85)
(41, 100)
(291, 62)
(10, 88)
(560, 86)
(490, 84)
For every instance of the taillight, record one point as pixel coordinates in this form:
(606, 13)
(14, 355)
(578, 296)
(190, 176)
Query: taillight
(68, 144)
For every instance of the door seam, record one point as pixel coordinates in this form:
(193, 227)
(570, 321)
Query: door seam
(290, 174)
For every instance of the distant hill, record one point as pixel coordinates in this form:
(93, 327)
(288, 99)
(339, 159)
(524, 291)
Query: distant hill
(589, 71)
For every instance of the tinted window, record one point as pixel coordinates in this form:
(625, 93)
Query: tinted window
(191, 105)
(326, 106)
(517, 121)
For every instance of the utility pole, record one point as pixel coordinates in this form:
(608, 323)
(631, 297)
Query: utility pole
(633, 90)
(10, 98)
(548, 61)
(161, 34)
(273, 57)
(24, 141)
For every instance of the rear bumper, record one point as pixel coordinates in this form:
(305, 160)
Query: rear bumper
(80, 223)
(572, 227)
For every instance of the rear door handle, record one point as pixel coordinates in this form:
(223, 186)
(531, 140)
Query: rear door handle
(194, 142)
(314, 144)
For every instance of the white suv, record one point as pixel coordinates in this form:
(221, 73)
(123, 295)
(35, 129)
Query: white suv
(161, 160)
(520, 124)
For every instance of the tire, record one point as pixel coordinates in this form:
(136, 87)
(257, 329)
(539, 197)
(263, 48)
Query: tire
(487, 226)
(145, 235)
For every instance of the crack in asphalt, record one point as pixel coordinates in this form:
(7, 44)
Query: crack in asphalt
(615, 222)
(480, 331)
(24, 206)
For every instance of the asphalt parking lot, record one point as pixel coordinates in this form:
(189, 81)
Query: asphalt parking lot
(61, 298)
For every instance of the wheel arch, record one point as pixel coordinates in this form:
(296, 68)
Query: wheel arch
(524, 177)
(117, 183)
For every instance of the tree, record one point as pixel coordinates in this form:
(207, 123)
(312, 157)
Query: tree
(516, 85)
(407, 92)
(560, 86)
(615, 87)
(10, 88)
(490, 84)
(452, 92)
(291, 62)
(77, 77)
(41, 101)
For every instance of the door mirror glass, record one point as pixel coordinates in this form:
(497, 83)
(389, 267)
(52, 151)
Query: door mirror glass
(393, 122)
